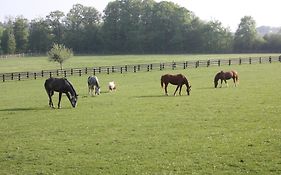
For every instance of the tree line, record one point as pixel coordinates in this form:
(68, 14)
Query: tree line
(132, 26)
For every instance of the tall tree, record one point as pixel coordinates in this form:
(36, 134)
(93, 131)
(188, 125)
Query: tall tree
(40, 37)
(55, 21)
(82, 27)
(1, 34)
(21, 34)
(246, 35)
(8, 39)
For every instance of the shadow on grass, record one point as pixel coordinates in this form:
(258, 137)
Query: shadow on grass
(159, 96)
(32, 109)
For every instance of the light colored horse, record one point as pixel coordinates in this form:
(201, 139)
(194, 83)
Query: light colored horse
(93, 84)
(111, 86)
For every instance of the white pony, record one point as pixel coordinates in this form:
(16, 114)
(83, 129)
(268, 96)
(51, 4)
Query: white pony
(93, 83)
(111, 86)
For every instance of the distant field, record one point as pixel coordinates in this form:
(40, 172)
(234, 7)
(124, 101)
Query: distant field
(41, 63)
(138, 130)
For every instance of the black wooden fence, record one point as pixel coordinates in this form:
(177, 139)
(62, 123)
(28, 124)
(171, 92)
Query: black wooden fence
(135, 68)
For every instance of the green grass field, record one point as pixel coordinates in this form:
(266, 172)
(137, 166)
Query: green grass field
(41, 63)
(138, 130)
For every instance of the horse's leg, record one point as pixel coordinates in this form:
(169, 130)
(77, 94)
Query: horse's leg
(180, 90)
(176, 90)
(60, 94)
(166, 92)
(234, 81)
(226, 83)
(50, 99)
(221, 83)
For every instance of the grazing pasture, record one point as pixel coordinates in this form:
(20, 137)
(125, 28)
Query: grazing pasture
(139, 130)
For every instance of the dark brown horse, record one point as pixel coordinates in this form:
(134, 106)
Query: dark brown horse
(223, 76)
(178, 80)
(60, 85)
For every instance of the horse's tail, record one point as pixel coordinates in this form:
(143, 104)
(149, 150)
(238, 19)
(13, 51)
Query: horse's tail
(162, 82)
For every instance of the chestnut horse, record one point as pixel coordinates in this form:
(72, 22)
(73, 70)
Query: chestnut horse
(223, 76)
(178, 80)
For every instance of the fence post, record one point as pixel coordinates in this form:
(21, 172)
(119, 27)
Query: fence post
(57, 72)
(64, 73)
(219, 62)
(208, 63)
(86, 70)
(108, 70)
(139, 67)
(80, 72)
(50, 74)
(42, 73)
(99, 69)
(269, 59)
(126, 68)
(71, 71)
(160, 66)
(94, 71)
(197, 64)
(250, 60)
(174, 65)
(260, 60)
(3, 77)
(151, 66)
(112, 69)
(35, 75)
(229, 62)
(19, 76)
(148, 68)
(121, 70)
(280, 58)
(135, 68)
(12, 76)
(240, 61)
(27, 74)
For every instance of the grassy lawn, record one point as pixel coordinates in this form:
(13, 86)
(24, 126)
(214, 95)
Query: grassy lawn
(41, 63)
(138, 130)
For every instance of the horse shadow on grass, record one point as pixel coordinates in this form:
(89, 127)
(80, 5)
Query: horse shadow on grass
(24, 109)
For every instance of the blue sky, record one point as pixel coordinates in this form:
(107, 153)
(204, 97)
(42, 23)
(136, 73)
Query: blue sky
(229, 12)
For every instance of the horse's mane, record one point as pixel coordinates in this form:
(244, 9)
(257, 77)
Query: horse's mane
(71, 86)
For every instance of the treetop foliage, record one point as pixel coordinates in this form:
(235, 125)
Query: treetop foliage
(131, 26)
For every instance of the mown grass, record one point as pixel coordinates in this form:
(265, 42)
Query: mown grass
(41, 63)
(138, 130)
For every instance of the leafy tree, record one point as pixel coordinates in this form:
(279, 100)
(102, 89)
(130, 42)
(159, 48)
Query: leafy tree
(55, 21)
(1, 34)
(59, 53)
(246, 38)
(273, 42)
(82, 29)
(21, 34)
(8, 39)
(40, 37)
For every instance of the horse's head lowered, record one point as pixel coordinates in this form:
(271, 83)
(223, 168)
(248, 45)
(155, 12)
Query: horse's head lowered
(217, 77)
(188, 89)
(74, 100)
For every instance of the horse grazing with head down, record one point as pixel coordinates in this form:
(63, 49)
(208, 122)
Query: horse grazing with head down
(60, 85)
(93, 84)
(178, 80)
(223, 76)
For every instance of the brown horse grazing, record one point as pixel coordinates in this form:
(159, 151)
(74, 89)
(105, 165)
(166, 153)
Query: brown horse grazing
(178, 80)
(223, 76)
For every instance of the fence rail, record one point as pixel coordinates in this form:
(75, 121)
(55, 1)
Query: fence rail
(135, 68)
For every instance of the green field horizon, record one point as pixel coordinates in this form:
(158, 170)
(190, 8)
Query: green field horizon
(139, 130)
